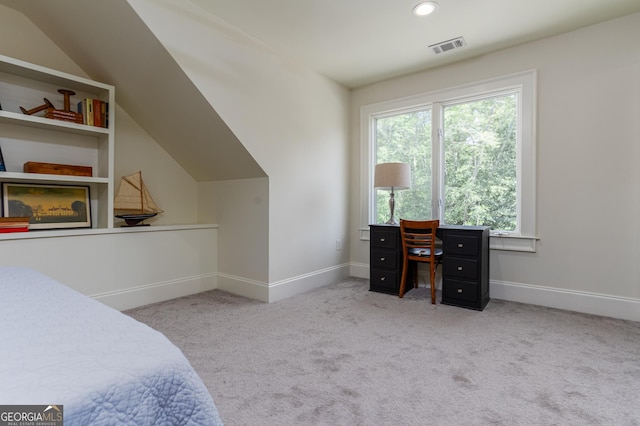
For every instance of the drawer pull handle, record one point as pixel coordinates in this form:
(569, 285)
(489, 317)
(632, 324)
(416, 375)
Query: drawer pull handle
(382, 240)
(382, 259)
(459, 268)
(460, 291)
(382, 278)
(460, 245)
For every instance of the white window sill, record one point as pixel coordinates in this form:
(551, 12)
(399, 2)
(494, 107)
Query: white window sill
(513, 243)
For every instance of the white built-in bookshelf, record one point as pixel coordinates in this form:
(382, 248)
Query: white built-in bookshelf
(34, 138)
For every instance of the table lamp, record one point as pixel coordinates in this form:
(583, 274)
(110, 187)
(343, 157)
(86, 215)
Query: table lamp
(390, 177)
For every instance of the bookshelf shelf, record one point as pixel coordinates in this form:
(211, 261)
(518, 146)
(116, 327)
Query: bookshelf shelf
(48, 124)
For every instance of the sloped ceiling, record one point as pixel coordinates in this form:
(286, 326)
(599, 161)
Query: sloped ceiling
(152, 88)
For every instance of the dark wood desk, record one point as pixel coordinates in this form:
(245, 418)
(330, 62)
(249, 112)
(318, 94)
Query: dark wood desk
(465, 263)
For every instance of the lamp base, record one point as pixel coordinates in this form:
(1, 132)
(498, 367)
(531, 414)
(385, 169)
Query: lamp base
(392, 206)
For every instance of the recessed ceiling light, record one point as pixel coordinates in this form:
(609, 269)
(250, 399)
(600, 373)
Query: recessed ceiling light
(425, 8)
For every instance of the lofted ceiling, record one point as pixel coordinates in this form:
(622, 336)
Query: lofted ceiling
(357, 42)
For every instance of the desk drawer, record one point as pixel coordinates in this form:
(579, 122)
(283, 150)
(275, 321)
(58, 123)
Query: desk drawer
(462, 245)
(384, 259)
(457, 267)
(382, 238)
(459, 290)
(382, 279)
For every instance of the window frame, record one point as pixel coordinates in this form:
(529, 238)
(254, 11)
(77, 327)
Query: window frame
(525, 84)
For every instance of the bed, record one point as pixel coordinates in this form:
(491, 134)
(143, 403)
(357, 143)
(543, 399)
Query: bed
(60, 347)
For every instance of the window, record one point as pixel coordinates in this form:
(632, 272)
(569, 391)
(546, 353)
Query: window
(479, 144)
(405, 138)
(471, 151)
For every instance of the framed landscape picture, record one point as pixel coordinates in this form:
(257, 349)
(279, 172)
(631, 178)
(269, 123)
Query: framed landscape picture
(48, 206)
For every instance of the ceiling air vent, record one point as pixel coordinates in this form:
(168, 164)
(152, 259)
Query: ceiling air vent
(448, 45)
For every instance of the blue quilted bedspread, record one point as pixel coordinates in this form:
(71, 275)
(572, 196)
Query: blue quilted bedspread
(59, 347)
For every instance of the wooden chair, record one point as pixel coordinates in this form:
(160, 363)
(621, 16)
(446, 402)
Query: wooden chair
(419, 245)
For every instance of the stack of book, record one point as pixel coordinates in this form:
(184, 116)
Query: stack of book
(59, 114)
(94, 112)
(14, 224)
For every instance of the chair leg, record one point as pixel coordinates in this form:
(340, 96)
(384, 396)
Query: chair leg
(432, 279)
(403, 280)
(415, 274)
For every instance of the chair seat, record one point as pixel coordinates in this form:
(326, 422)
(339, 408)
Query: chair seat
(424, 252)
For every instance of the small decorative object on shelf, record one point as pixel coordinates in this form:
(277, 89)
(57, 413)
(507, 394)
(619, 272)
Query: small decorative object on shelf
(66, 114)
(57, 114)
(133, 201)
(57, 169)
(47, 104)
(2, 166)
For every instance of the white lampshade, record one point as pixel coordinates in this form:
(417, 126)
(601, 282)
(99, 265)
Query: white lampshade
(391, 176)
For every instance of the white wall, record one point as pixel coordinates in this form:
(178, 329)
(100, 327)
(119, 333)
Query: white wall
(291, 120)
(588, 140)
(243, 207)
(171, 187)
(124, 269)
(121, 269)
(20, 39)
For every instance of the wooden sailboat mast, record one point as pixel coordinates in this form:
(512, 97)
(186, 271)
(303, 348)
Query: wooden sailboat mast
(141, 192)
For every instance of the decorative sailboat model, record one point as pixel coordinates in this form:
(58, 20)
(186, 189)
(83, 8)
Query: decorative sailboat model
(133, 202)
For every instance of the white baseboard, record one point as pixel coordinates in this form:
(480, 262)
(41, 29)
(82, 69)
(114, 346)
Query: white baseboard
(157, 292)
(133, 297)
(571, 300)
(360, 270)
(244, 287)
(303, 283)
(282, 289)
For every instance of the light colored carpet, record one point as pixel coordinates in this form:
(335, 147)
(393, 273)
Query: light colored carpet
(343, 355)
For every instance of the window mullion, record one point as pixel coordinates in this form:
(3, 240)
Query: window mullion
(437, 161)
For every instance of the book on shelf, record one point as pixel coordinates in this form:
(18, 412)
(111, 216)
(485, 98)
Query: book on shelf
(14, 229)
(97, 113)
(81, 109)
(18, 227)
(8, 221)
(57, 114)
(85, 107)
(94, 112)
(2, 166)
(14, 224)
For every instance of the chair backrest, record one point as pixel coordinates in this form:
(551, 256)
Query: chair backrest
(419, 239)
